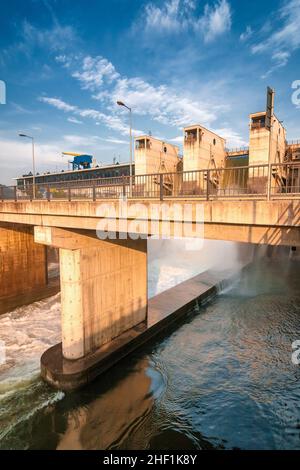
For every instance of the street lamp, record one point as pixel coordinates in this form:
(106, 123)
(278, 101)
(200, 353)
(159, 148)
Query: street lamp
(33, 161)
(120, 103)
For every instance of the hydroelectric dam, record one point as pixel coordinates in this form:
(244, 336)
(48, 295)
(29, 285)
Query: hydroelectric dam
(104, 302)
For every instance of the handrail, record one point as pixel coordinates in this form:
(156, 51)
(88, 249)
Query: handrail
(262, 180)
(237, 149)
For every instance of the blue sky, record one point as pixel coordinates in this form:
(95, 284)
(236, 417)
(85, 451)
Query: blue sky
(175, 62)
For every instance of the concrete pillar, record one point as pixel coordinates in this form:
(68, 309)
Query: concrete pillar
(23, 265)
(103, 287)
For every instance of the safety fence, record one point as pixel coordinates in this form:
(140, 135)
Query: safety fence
(256, 181)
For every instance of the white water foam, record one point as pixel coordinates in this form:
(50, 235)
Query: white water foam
(26, 333)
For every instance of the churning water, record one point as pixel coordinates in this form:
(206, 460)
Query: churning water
(222, 379)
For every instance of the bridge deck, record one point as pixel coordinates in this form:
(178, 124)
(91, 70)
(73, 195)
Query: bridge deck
(274, 222)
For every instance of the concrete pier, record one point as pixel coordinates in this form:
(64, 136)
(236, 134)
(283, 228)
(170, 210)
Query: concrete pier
(103, 287)
(163, 310)
(23, 267)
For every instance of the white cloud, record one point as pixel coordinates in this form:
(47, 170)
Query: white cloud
(47, 155)
(233, 139)
(285, 39)
(177, 140)
(64, 60)
(112, 140)
(246, 34)
(161, 103)
(56, 38)
(176, 16)
(281, 58)
(171, 16)
(59, 104)
(94, 71)
(111, 121)
(216, 20)
(90, 140)
(74, 120)
(80, 140)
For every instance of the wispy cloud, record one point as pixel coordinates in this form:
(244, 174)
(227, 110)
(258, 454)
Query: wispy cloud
(55, 38)
(113, 122)
(246, 34)
(95, 70)
(80, 140)
(164, 104)
(112, 140)
(91, 140)
(59, 104)
(18, 109)
(177, 16)
(74, 120)
(215, 21)
(177, 140)
(283, 39)
(172, 15)
(233, 138)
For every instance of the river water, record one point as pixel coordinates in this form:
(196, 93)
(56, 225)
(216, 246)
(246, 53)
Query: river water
(223, 378)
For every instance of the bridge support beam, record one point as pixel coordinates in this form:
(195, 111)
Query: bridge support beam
(103, 287)
(23, 263)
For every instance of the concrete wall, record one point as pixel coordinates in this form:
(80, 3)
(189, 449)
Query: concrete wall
(265, 147)
(259, 141)
(202, 149)
(154, 156)
(22, 262)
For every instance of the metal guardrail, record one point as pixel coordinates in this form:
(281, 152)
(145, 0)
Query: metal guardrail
(293, 142)
(237, 150)
(256, 181)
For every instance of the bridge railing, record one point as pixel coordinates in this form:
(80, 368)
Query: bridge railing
(255, 181)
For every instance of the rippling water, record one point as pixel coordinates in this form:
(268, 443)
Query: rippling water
(222, 379)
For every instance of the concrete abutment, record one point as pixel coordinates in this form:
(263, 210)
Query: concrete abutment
(23, 263)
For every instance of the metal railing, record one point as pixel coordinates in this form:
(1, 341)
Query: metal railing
(256, 181)
(293, 142)
(237, 150)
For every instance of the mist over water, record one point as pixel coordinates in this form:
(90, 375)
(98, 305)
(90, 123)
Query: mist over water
(224, 339)
(174, 261)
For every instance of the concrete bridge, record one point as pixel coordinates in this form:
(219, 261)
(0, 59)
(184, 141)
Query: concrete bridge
(105, 308)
